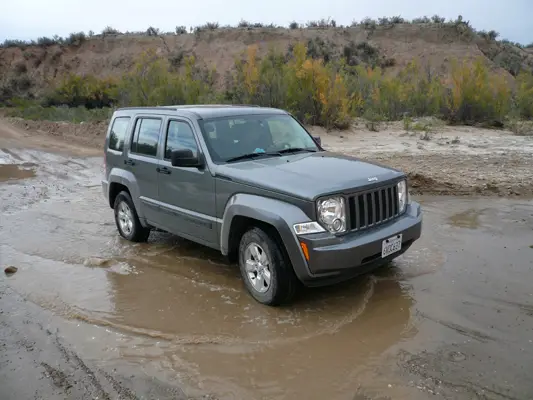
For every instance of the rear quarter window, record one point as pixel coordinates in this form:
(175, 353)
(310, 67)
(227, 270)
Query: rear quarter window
(118, 133)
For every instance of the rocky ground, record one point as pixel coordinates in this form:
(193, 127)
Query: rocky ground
(446, 160)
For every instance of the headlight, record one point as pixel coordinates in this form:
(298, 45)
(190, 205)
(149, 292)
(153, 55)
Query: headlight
(402, 195)
(332, 214)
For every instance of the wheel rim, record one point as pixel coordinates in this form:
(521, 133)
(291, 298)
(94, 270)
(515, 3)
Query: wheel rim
(257, 266)
(125, 218)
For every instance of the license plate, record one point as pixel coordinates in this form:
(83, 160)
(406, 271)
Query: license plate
(391, 245)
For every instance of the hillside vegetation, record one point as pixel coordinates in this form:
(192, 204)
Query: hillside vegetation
(326, 75)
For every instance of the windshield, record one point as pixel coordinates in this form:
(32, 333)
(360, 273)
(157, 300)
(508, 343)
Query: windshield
(233, 137)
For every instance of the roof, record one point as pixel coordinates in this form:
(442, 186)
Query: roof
(208, 111)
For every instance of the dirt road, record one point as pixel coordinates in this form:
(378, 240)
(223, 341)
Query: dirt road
(89, 315)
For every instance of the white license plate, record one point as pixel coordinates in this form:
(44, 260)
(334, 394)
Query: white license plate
(391, 245)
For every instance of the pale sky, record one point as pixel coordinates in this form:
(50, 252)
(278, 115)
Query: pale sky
(29, 19)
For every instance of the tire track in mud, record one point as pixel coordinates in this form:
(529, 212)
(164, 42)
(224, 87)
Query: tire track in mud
(32, 347)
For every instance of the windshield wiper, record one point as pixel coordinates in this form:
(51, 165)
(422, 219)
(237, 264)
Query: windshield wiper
(250, 156)
(295, 150)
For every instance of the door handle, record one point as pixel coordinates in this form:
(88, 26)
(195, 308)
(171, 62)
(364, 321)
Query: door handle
(163, 170)
(129, 162)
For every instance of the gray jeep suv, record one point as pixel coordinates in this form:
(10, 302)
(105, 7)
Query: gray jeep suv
(254, 184)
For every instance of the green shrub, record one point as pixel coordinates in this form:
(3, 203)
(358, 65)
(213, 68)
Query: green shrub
(294, 25)
(509, 59)
(493, 35)
(524, 95)
(46, 41)
(365, 53)
(108, 30)
(86, 91)
(181, 30)
(397, 20)
(151, 31)
(437, 20)
(15, 86)
(151, 82)
(211, 26)
(322, 23)
(369, 23)
(75, 39)
(318, 48)
(421, 20)
(14, 43)
(474, 95)
(176, 58)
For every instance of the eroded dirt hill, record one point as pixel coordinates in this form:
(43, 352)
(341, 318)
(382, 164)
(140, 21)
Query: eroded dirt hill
(32, 68)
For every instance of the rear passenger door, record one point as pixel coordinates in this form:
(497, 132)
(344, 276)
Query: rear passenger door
(187, 195)
(142, 161)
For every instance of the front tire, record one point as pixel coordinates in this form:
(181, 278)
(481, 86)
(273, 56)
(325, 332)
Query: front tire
(127, 220)
(266, 271)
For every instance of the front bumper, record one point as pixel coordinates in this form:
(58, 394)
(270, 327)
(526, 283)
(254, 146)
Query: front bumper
(336, 258)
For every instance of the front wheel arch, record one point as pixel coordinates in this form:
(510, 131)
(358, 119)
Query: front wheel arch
(240, 225)
(243, 209)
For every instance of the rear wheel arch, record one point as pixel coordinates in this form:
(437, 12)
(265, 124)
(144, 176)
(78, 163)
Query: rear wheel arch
(114, 189)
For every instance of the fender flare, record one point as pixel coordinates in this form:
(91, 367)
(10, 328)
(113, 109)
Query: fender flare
(279, 214)
(126, 178)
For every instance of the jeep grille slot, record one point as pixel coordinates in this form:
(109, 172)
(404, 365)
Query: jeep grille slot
(373, 207)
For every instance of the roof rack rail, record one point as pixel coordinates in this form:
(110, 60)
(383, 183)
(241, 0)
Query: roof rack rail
(210, 105)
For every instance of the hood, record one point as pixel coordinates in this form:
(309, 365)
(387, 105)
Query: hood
(308, 175)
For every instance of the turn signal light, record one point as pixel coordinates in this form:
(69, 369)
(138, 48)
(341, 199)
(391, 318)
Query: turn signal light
(305, 250)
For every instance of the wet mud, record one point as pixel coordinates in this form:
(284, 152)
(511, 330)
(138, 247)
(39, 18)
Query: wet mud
(10, 172)
(452, 318)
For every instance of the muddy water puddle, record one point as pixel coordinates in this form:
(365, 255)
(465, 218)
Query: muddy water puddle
(431, 322)
(9, 172)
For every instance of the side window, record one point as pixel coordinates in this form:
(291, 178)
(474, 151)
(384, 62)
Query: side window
(118, 133)
(146, 136)
(180, 136)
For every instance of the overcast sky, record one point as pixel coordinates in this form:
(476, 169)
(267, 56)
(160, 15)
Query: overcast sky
(28, 19)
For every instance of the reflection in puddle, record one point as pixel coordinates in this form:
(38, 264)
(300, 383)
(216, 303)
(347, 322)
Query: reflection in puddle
(10, 172)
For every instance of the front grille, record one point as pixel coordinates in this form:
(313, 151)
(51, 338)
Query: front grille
(372, 208)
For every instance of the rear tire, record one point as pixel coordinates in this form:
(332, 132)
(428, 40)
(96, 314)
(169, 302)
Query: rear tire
(265, 269)
(127, 220)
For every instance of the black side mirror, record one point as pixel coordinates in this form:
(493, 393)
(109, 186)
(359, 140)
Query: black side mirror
(318, 140)
(185, 158)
